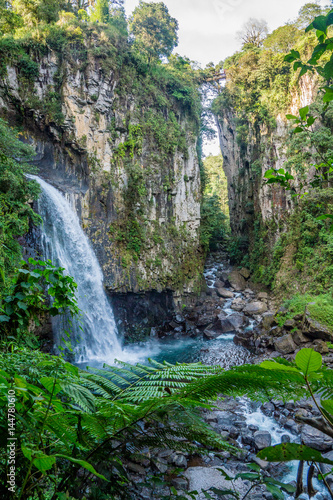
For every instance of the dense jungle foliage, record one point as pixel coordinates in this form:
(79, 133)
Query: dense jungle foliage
(214, 204)
(291, 252)
(68, 433)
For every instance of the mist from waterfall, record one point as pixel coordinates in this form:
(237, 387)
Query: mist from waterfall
(94, 334)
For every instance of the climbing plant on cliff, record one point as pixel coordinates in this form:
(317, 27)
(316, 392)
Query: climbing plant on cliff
(16, 192)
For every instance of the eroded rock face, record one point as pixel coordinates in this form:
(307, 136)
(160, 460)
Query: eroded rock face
(140, 209)
(246, 161)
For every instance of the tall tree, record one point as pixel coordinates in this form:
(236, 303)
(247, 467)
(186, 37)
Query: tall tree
(253, 32)
(9, 20)
(102, 12)
(154, 30)
(307, 13)
(36, 11)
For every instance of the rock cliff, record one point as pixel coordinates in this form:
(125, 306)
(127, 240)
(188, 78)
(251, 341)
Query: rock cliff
(245, 163)
(122, 147)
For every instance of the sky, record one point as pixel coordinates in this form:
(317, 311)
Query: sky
(207, 28)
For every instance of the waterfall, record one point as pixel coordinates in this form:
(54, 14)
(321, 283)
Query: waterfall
(94, 335)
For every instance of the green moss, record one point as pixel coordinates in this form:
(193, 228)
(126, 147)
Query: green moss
(320, 308)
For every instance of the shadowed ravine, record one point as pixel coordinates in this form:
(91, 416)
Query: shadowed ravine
(94, 336)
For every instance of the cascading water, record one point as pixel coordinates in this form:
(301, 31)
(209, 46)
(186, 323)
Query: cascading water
(94, 336)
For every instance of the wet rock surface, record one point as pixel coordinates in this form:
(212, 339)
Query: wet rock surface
(249, 318)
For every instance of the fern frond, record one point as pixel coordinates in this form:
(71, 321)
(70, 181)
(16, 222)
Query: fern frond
(80, 395)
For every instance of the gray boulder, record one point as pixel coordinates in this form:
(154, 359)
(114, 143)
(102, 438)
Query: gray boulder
(316, 330)
(320, 346)
(224, 293)
(138, 469)
(267, 320)
(245, 273)
(238, 304)
(299, 338)
(316, 439)
(237, 281)
(255, 307)
(179, 460)
(237, 320)
(289, 324)
(262, 439)
(285, 344)
(203, 478)
(211, 334)
(180, 483)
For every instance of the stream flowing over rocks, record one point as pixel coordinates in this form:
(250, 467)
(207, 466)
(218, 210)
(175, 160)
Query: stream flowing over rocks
(231, 325)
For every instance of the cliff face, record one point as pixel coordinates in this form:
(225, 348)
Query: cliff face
(128, 165)
(246, 161)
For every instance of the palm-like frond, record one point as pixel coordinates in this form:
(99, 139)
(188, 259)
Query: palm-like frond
(138, 383)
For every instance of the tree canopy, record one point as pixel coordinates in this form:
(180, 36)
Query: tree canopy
(253, 32)
(154, 30)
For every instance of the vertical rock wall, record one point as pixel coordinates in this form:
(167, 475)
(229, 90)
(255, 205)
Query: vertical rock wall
(138, 203)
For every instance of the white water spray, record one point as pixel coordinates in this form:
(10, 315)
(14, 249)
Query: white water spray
(94, 336)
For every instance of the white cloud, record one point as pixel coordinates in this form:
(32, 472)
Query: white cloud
(207, 28)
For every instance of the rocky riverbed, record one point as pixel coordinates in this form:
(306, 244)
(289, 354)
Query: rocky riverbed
(233, 308)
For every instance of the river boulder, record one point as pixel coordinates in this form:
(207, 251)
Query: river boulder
(238, 304)
(316, 439)
(237, 281)
(224, 293)
(255, 307)
(285, 344)
(314, 329)
(203, 478)
(299, 337)
(262, 439)
(225, 324)
(267, 320)
(320, 346)
(237, 320)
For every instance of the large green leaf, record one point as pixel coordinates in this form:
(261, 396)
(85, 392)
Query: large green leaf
(303, 112)
(327, 404)
(50, 385)
(289, 488)
(272, 365)
(286, 452)
(308, 360)
(275, 491)
(44, 462)
(84, 464)
(41, 461)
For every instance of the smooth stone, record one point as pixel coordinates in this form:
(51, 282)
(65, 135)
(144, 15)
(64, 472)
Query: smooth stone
(316, 439)
(255, 307)
(237, 281)
(262, 439)
(224, 293)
